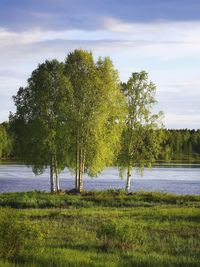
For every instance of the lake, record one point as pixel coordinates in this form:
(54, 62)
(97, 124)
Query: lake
(174, 178)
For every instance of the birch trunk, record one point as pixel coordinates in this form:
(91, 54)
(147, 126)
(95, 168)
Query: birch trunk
(80, 177)
(77, 170)
(128, 181)
(56, 174)
(52, 176)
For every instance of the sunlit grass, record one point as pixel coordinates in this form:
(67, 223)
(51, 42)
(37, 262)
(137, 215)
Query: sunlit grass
(108, 198)
(95, 229)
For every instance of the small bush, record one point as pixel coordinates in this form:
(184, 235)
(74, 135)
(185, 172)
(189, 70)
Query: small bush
(16, 235)
(115, 235)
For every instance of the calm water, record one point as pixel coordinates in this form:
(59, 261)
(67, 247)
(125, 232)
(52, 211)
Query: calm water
(180, 179)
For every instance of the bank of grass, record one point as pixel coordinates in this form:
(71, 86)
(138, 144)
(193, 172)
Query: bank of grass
(107, 198)
(106, 228)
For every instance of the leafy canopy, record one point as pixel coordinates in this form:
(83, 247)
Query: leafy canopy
(141, 137)
(41, 118)
(97, 110)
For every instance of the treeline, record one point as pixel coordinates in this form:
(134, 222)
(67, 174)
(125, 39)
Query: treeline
(182, 144)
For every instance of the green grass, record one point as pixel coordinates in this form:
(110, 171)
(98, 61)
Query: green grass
(106, 228)
(108, 198)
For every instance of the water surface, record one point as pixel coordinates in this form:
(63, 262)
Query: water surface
(174, 178)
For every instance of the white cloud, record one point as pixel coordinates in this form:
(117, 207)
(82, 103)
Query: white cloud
(167, 31)
(154, 32)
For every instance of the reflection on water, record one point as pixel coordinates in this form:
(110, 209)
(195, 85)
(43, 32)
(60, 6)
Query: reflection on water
(175, 178)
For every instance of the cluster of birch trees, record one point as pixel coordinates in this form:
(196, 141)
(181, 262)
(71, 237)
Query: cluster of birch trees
(78, 115)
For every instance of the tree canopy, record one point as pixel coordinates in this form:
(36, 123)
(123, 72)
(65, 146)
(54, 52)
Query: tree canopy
(97, 113)
(140, 143)
(69, 115)
(41, 120)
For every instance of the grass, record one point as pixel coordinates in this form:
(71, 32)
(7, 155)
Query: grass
(106, 228)
(107, 198)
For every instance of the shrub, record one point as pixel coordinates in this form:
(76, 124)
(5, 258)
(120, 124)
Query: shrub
(115, 235)
(16, 235)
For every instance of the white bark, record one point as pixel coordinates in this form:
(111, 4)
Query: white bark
(52, 182)
(80, 173)
(56, 174)
(128, 181)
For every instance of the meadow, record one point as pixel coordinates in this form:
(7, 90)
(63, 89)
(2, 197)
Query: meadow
(108, 228)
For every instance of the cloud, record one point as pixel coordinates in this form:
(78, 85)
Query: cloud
(180, 103)
(170, 31)
(161, 39)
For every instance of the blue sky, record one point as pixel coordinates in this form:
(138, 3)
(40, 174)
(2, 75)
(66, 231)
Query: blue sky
(159, 36)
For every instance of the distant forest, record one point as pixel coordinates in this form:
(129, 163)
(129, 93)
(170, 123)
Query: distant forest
(178, 145)
(181, 145)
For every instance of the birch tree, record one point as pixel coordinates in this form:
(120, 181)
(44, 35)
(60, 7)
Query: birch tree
(97, 111)
(141, 139)
(41, 120)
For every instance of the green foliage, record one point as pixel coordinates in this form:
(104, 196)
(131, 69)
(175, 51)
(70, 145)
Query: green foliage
(6, 141)
(177, 145)
(141, 138)
(97, 112)
(40, 122)
(181, 145)
(69, 115)
(16, 235)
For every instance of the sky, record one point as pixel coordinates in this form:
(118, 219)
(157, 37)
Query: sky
(161, 37)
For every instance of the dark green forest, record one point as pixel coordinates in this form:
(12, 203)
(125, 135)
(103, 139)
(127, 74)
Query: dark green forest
(181, 145)
(178, 145)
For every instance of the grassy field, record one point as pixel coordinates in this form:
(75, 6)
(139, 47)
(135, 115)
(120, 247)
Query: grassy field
(106, 228)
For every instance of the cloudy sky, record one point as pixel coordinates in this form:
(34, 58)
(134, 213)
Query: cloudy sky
(159, 36)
